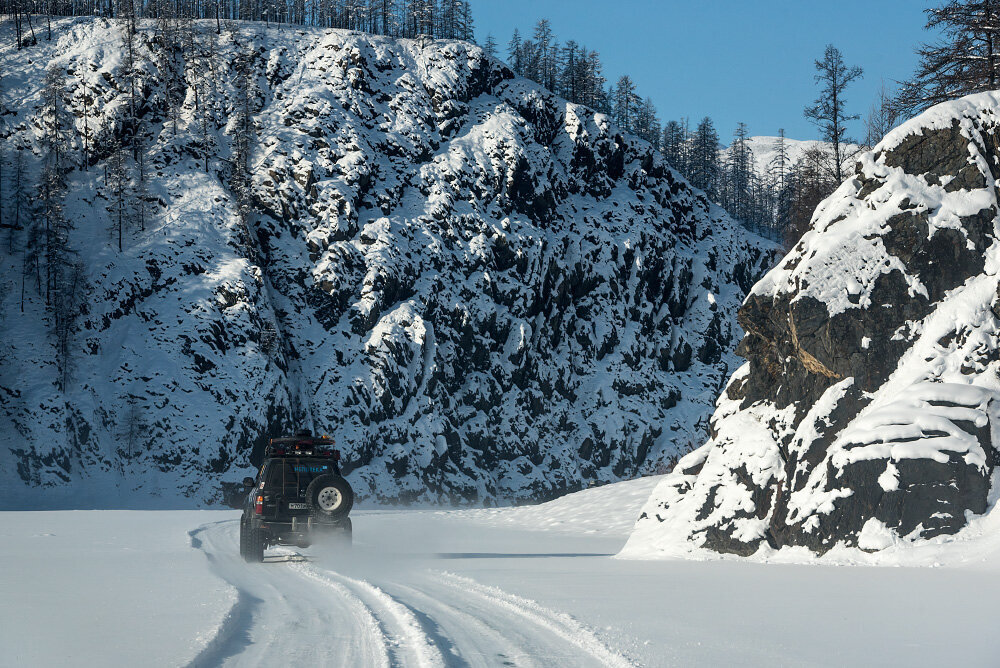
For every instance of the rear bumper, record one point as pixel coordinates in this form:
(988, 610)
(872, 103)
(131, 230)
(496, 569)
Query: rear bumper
(301, 532)
(300, 525)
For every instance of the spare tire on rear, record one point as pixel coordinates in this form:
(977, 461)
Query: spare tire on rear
(329, 497)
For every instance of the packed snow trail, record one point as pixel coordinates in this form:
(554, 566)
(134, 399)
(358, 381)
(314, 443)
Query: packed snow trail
(343, 607)
(281, 618)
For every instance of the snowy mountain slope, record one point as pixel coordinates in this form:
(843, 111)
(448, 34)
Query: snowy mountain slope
(765, 149)
(482, 291)
(866, 414)
(609, 510)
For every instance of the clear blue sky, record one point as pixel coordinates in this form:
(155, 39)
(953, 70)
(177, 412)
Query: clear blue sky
(733, 60)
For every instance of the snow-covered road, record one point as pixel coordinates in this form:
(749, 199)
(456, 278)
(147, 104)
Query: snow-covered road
(368, 607)
(363, 607)
(528, 586)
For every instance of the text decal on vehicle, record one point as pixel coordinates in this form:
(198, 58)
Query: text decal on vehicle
(309, 469)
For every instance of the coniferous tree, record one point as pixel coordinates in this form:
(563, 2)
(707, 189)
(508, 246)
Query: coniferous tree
(490, 46)
(129, 71)
(56, 120)
(67, 306)
(545, 60)
(882, 116)
(594, 95)
(243, 133)
(63, 271)
(811, 184)
(966, 60)
(118, 181)
(778, 172)
(704, 165)
(571, 84)
(738, 195)
(55, 145)
(468, 23)
(20, 204)
(132, 428)
(515, 53)
(673, 144)
(626, 103)
(647, 123)
(829, 111)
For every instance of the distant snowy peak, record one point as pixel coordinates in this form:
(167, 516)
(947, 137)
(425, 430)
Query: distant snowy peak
(481, 291)
(765, 151)
(867, 412)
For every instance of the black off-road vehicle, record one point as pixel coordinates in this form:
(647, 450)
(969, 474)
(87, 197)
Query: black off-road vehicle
(298, 496)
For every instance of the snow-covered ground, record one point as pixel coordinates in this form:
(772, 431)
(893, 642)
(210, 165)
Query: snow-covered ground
(519, 586)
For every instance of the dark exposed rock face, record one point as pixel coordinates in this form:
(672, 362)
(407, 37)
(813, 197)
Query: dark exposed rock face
(481, 291)
(865, 412)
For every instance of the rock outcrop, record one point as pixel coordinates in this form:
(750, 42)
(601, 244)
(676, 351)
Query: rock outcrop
(483, 292)
(866, 413)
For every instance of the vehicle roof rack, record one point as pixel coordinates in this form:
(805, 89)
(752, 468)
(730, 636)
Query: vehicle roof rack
(301, 446)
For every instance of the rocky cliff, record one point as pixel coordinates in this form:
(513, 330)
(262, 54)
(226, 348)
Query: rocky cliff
(866, 412)
(483, 292)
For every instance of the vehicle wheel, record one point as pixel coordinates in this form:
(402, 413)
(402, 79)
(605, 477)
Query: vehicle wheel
(251, 544)
(329, 497)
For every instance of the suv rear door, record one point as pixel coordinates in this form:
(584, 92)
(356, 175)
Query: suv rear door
(288, 478)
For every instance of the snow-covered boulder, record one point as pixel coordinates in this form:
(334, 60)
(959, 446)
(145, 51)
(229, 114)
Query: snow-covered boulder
(483, 292)
(866, 413)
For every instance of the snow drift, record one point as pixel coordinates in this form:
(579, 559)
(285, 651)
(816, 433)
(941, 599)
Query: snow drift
(866, 413)
(481, 291)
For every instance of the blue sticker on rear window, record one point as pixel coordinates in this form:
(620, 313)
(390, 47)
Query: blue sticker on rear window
(309, 469)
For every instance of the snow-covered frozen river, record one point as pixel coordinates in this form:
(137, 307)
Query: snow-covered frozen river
(530, 586)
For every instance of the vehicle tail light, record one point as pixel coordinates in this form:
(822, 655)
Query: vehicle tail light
(258, 508)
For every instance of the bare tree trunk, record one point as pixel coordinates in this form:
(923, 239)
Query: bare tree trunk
(28, 16)
(990, 55)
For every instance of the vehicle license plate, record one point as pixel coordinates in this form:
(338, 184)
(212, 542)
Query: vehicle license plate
(297, 506)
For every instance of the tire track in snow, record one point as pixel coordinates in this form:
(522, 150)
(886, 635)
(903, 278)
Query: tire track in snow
(398, 622)
(232, 635)
(558, 623)
(476, 641)
(285, 619)
(412, 618)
